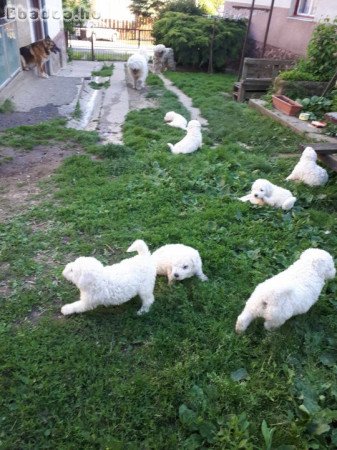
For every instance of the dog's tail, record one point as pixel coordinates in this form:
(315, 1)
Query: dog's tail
(140, 247)
(171, 147)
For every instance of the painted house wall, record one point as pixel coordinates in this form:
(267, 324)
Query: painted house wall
(288, 35)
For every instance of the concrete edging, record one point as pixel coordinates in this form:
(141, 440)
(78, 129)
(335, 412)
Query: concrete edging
(297, 125)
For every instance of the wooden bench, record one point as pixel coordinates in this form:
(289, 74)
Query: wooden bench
(325, 152)
(258, 75)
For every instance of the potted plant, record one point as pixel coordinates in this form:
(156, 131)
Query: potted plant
(286, 105)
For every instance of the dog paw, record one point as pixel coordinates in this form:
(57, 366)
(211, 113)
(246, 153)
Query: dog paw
(66, 310)
(44, 75)
(142, 311)
(203, 277)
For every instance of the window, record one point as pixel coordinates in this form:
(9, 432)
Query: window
(304, 8)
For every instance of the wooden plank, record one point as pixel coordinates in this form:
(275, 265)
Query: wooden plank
(321, 149)
(329, 160)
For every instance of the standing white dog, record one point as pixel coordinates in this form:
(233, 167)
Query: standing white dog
(308, 171)
(289, 293)
(175, 120)
(112, 285)
(264, 192)
(138, 69)
(178, 262)
(163, 58)
(191, 142)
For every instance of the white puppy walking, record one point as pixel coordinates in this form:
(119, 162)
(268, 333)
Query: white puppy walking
(191, 142)
(264, 192)
(178, 262)
(289, 293)
(112, 285)
(308, 171)
(138, 69)
(175, 120)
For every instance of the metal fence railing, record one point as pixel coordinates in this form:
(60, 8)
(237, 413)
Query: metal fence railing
(103, 43)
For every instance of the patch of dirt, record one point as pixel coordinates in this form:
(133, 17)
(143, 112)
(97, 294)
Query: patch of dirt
(35, 115)
(20, 172)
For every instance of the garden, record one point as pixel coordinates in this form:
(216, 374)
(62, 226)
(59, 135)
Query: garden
(179, 376)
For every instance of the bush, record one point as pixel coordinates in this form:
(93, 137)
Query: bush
(190, 37)
(182, 6)
(320, 63)
(322, 51)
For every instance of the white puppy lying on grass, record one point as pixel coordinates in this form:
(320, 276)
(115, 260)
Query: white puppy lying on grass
(264, 192)
(191, 142)
(178, 262)
(175, 120)
(112, 285)
(308, 171)
(289, 293)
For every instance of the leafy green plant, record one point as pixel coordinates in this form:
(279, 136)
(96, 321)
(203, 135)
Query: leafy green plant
(190, 37)
(318, 106)
(77, 113)
(267, 435)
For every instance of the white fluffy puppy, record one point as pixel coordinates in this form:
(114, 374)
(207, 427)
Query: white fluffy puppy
(112, 285)
(308, 171)
(289, 293)
(270, 194)
(175, 120)
(138, 69)
(178, 262)
(191, 142)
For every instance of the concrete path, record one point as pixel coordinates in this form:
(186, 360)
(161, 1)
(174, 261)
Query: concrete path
(184, 99)
(115, 106)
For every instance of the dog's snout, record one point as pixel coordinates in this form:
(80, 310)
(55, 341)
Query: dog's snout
(256, 195)
(176, 275)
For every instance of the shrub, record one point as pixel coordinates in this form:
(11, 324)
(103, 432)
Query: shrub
(190, 37)
(182, 6)
(322, 51)
(320, 63)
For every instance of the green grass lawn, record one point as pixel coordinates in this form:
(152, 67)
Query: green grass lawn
(178, 377)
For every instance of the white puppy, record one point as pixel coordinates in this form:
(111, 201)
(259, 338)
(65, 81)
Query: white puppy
(289, 293)
(178, 262)
(264, 192)
(308, 171)
(138, 69)
(175, 120)
(112, 285)
(191, 142)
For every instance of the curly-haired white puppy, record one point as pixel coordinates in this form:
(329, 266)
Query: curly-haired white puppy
(175, 120)
(264, 192)
(163, 58)
(178, 262)
(138, 69)
(308, 171)
(289, 293)
(191, 142)
(112, 285)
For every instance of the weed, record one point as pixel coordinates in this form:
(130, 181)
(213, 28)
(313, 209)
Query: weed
(105, 71)
(7, 106)
(77, 113)
(95, 85)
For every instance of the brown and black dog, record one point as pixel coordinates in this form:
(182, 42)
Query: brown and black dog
(37, 54)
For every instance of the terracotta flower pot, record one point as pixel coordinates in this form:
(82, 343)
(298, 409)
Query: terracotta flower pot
(286, 105)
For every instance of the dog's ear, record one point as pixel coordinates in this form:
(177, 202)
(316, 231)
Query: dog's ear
(268, 189)
(324, 267)
(85, 280)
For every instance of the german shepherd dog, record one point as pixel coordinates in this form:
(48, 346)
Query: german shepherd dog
(37, 54)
